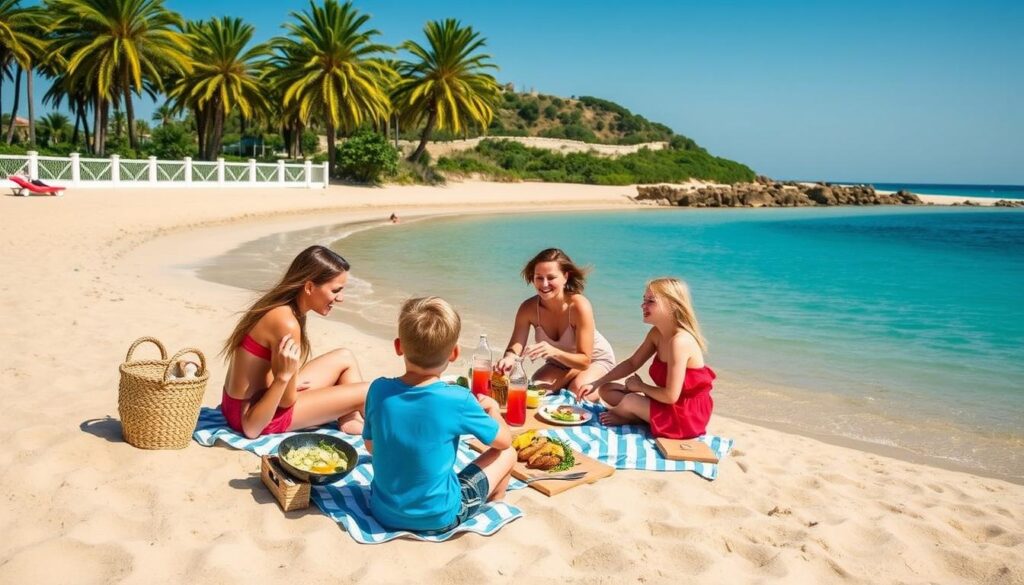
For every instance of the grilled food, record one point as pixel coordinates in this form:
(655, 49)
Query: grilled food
(542, 452)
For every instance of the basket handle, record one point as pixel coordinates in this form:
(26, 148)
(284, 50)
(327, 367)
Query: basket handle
(182, 352)
(141, 340)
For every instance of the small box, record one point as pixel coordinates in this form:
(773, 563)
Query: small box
(290, 493)
(686, 450)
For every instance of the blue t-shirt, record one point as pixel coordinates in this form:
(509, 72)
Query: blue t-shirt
(415, 432)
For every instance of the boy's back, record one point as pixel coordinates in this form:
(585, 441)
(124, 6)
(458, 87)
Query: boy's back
(415, 432)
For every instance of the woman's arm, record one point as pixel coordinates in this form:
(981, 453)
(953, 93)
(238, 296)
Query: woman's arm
(516, 343)
(680, 349)
(284, 364)
(628, 366)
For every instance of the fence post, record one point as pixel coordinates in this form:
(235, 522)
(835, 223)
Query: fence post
(33, 165)
(280, 172)
(252, 170)
(309, 173)
(115, 168)
(327, 174)
(76, 170)
(220, 171)
(187, 173)
(152, 169)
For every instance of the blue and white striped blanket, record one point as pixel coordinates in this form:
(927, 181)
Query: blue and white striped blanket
(347, 502)
(628, 446)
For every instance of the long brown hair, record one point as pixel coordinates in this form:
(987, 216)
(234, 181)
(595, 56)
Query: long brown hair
(575, 277)
(317, 264)
(677, 294)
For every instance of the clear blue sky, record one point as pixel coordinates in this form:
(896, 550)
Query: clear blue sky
(874, 91)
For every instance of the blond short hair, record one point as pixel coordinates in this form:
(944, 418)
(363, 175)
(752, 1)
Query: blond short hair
(429, 329)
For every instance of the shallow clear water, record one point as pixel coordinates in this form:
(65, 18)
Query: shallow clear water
(898, 327)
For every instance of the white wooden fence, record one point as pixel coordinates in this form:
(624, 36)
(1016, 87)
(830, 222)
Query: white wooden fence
(75, 171)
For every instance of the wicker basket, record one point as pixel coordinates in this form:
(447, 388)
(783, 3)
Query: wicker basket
(157, 413)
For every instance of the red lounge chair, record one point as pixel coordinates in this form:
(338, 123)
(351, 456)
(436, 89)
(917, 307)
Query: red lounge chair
(25, 187)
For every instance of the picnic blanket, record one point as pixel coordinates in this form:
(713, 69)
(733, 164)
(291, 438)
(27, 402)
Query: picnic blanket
(347, 502)
(628, 446)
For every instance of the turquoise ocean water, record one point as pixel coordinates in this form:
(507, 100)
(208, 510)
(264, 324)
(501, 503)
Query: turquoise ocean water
(899, 327)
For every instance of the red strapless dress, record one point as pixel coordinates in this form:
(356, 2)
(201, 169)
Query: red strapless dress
(688, 417)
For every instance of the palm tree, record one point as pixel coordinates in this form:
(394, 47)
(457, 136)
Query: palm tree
(121, 44)
(329, 68)
(53, 128)
(164, 114)
(225, 76)
(21, 40)
(446, 83)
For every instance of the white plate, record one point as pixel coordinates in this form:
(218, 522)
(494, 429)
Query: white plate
(545, 413)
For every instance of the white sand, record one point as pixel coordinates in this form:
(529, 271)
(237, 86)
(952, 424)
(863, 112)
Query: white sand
(87, 273)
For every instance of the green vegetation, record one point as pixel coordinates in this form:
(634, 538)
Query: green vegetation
(367, 157)
(506, 160)
(327, 75)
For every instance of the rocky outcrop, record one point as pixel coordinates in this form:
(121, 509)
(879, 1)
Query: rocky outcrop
(765, 192)
(1009, 203)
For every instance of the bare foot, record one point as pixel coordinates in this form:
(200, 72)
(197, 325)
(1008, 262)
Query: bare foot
(351, 423)
(612, 419)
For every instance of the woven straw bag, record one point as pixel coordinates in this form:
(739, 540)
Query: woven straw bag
(157, 413)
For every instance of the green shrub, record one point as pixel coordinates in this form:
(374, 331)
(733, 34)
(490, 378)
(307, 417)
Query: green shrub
(529, 112)
(550, 112)
(309, 143)
(367, 157)
(170, 142)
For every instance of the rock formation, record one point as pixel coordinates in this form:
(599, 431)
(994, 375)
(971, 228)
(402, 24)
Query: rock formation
(765, 192)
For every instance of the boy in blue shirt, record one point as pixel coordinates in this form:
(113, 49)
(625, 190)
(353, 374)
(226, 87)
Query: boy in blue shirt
(413, 425)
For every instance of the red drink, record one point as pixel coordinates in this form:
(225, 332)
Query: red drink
(516, 411)
(481, 381)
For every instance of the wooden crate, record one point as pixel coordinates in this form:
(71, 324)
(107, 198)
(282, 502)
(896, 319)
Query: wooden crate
(290, 493)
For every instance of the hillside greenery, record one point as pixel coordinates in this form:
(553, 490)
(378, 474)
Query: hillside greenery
(505, 160)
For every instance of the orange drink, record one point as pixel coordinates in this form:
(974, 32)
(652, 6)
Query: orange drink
(481, 383)
(516, 412)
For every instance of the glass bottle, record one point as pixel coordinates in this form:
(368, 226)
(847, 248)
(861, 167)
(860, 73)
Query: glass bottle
(482, 367)
(517, 382)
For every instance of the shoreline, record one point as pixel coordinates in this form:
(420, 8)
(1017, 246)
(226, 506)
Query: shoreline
(784, 507)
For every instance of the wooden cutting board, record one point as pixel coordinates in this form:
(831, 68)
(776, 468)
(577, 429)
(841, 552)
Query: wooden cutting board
(594, 468)
(686, 450)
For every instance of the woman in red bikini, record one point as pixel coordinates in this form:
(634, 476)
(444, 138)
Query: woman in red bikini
(270, 386)
(679, 405)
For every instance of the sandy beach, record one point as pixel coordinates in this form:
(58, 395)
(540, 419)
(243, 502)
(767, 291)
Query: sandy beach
(87, 273)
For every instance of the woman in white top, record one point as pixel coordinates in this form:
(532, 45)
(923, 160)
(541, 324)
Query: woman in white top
(563, 322)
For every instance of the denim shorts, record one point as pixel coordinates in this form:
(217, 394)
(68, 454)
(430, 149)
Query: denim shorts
(475, 488)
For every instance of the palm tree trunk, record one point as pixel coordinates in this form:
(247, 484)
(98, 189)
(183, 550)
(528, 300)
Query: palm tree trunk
(396, 133)
(14, 108)
(218, 132)
(200, 119)
(129, 111)
(331, 148)
(431, 118)
(85, 121)
(31, 108)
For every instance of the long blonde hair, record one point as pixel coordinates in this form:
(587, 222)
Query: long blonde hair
(317, 264)
(677, 294)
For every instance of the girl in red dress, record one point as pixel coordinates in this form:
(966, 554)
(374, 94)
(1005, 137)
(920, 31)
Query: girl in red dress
(679, 403)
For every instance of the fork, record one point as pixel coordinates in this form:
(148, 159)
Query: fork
(569, 476)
